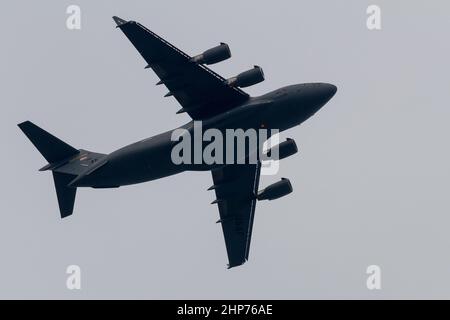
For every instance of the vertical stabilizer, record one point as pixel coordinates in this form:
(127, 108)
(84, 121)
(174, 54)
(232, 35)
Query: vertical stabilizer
(66, 194)
(54, 150)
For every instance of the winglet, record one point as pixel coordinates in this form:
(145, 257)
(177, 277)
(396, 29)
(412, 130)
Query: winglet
(119, 21)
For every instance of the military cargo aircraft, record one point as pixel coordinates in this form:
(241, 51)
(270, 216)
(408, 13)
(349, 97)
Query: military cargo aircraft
(204, 96)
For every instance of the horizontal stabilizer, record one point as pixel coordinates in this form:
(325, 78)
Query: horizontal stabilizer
(49, 146)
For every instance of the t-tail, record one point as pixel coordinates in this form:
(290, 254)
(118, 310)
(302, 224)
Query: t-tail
(65, 162)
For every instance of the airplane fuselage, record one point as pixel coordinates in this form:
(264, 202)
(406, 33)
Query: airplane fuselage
(227, 136)
(150, 159)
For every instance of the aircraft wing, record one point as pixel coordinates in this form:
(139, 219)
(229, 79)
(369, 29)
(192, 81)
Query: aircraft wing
(201, 92)
(235, 187)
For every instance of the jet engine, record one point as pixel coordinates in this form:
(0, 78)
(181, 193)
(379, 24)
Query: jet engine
(276, 190)
(217, 54)
(247, 78)
(284, 149)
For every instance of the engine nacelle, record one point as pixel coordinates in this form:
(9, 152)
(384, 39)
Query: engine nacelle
(247, 78)
(220, 53)
(284, 149)
(277, 190)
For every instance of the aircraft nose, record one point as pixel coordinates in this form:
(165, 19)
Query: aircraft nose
(328, 90)
(320, 94)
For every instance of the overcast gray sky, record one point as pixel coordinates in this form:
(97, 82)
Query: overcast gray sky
(371, 180)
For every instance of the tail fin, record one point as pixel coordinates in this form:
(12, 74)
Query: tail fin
(54, 151)
(66, 194)
(49, 146)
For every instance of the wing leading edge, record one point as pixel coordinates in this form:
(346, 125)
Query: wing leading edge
(236, 187)
(201, 92)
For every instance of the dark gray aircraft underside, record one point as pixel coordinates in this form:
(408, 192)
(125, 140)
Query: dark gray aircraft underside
(204, 95)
